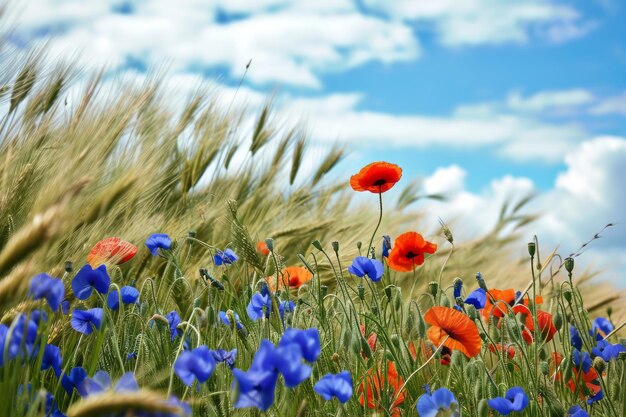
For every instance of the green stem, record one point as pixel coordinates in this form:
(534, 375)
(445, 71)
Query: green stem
(380, 218)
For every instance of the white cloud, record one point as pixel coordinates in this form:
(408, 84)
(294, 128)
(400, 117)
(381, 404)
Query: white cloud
(585, 197)
(291, 43)
(611, 105)
(478, 22)
(560, 100)
(516, 136)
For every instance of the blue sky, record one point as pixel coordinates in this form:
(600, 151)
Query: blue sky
(485, 100)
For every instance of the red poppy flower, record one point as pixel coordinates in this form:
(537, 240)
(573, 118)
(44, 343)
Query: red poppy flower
(371, 339)
(262, 248)
(374, 384)
(376, 177)
(454, 329)
(111, 249)
(502, 299)
(408, 252)
(509, 350)
(588, 383)
(291, 277)
(546, 326)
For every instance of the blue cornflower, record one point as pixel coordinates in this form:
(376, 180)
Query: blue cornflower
(457, 287)
(308, 340)
(224, 319)
(74, 380)
(386, 246)
(52, 289)
(195, 364)
(65, 306)
(255, 388)
(174, 320)
(260, 305)
(582, 360)
(228, 357)
(156, 241)
(101, 382)
(515, 399)
(174, 401)
(52, 359)
(576, 411)
(82, 320)
(595, 398)
(131, 355)
(574, 338)
(429, 405)
(286, 307)
(607, 351)
(335, 385)
(289, 364)
(38, 316)
(477, 298)
(362, 266)
(600, 328)
(88, 279)
(225, 258)
(130, 295)
(52, 408)
(23, 337)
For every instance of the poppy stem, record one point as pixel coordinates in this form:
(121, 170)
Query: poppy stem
(380, 218)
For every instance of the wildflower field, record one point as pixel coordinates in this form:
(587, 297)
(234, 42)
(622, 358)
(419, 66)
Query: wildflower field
(142, 274)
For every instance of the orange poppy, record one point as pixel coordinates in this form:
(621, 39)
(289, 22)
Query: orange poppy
(291, 277)
(376, 177)
(111, 249)
(262, 248)
(374, 385)
(408, 251)
(590, 379)
(454, 329)
(509, 350)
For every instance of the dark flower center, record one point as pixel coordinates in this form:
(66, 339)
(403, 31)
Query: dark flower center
(380, 182)
(412, 255)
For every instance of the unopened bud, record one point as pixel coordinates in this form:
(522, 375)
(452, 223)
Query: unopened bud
(395, 340)
(388, 289)
(270, 244)
(365, 348)
(191, 234)
(471, 311)
(599, 364)
(569, 264)
(317, 245)
(545, 368)
(481, 281)
(609, 311)
(335, 246)
(433, 287)
(558, 321)
(69, 266)
(483, 408)
(531, 248)
(335, 357)
(457, 284)
(567, 294)
(358, 245)
(459, 301)
(323, 290)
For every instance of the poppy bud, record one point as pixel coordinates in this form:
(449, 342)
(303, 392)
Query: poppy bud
(317, 245)
(191, 233)
(388, 289)
(599, 364)
(361, 291)
(459, 301)
(270, 244)
(397, 299)
(483, 408)
(558, 321)
(542, 354)
(433, 287)
(421, 325)
(510, 366)
(471, 311)
(409, 324)
(481, 281)
(335, 246)
(567, 294)
(358, 245)
(69, 266)
(324, 290)
(457, 358)
(609, 311)
(445, 301)
(569, 264)
(545, 368)
(531, 248)
(365, 348)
